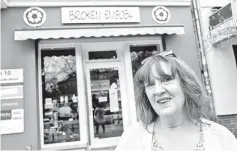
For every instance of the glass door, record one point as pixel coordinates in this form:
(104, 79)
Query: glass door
(105, 103)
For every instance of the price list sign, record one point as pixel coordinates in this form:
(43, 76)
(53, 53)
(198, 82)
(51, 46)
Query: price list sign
(12, 108)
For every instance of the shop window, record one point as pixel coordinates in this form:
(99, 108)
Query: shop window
(94, 55)
(59, 96)
(106, 103)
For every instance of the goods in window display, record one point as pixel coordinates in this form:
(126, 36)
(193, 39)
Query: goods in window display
(74, 98)
(66, 99)
(61, 99)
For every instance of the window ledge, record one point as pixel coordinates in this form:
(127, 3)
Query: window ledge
(65, 146)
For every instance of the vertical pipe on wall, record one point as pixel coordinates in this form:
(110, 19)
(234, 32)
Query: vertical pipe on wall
(201, 50)
(163, 41)
(37, 90)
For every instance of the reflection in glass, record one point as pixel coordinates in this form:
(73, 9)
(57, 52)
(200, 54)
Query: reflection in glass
(94, 55)
(59, 90)
(106, 103)
(139, 53)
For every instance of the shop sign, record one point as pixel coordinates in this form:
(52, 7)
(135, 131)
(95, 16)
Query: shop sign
(220, 16)
(103, 99)
(223, 23)
(11, 76)
(12, 112)
(100, 14)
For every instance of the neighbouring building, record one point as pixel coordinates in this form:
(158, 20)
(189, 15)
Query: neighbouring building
(62, 60)
(218, 18)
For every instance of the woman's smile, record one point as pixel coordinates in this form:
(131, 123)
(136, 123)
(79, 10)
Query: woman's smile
(163, 100)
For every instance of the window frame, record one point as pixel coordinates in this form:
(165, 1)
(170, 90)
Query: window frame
(111, 141)
(83, 143)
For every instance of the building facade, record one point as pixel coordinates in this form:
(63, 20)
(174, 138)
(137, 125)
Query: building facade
(218, 27)
(76, 61)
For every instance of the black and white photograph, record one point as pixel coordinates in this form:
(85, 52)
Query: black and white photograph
(118, 75)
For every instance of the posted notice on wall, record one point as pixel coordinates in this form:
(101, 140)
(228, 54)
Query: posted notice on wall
(12, 112)
(12, 103)
(11, 76)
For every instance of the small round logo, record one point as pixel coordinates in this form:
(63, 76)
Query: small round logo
(34, 16)
(161, 14)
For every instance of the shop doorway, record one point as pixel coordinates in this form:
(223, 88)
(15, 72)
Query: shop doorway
(106, 101)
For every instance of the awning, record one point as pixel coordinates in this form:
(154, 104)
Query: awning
(103, 31)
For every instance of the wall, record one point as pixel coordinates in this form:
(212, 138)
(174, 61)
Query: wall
(184, 45)
(223, 73)
(15, 55)
(22, 54)
(229, 121)
(223, 78)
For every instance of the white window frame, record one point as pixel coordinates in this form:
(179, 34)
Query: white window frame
(111, 141)
(83, 143)
(105, 63)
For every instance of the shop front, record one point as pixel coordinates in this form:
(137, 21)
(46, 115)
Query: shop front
(78, 66)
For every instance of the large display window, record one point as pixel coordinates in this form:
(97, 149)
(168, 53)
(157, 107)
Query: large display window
(62, 107)
(59, 96)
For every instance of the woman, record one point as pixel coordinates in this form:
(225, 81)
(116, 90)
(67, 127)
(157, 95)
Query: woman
(173, 110)
(99, 117)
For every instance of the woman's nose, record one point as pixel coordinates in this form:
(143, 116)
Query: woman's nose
(159, 90)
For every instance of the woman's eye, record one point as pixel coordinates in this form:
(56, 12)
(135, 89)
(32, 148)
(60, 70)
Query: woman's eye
(168, 79)
(150, 84)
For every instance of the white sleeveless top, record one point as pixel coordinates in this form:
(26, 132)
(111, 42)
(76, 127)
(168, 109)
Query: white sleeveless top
(216, 138)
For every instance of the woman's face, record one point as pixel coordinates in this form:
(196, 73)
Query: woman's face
(164, 92)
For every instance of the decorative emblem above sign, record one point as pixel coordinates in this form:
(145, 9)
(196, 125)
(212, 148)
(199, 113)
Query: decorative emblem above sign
(100, 15)
(34, 16)
(161, 14)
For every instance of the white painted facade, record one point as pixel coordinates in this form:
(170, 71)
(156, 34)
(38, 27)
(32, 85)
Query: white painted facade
(221, 64)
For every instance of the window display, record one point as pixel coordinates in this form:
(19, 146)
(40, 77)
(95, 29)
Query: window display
(59, 96)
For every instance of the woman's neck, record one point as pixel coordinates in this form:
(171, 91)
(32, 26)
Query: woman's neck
(173, 121)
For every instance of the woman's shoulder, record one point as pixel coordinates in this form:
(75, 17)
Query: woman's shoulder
(216, 126)
(224, 136)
